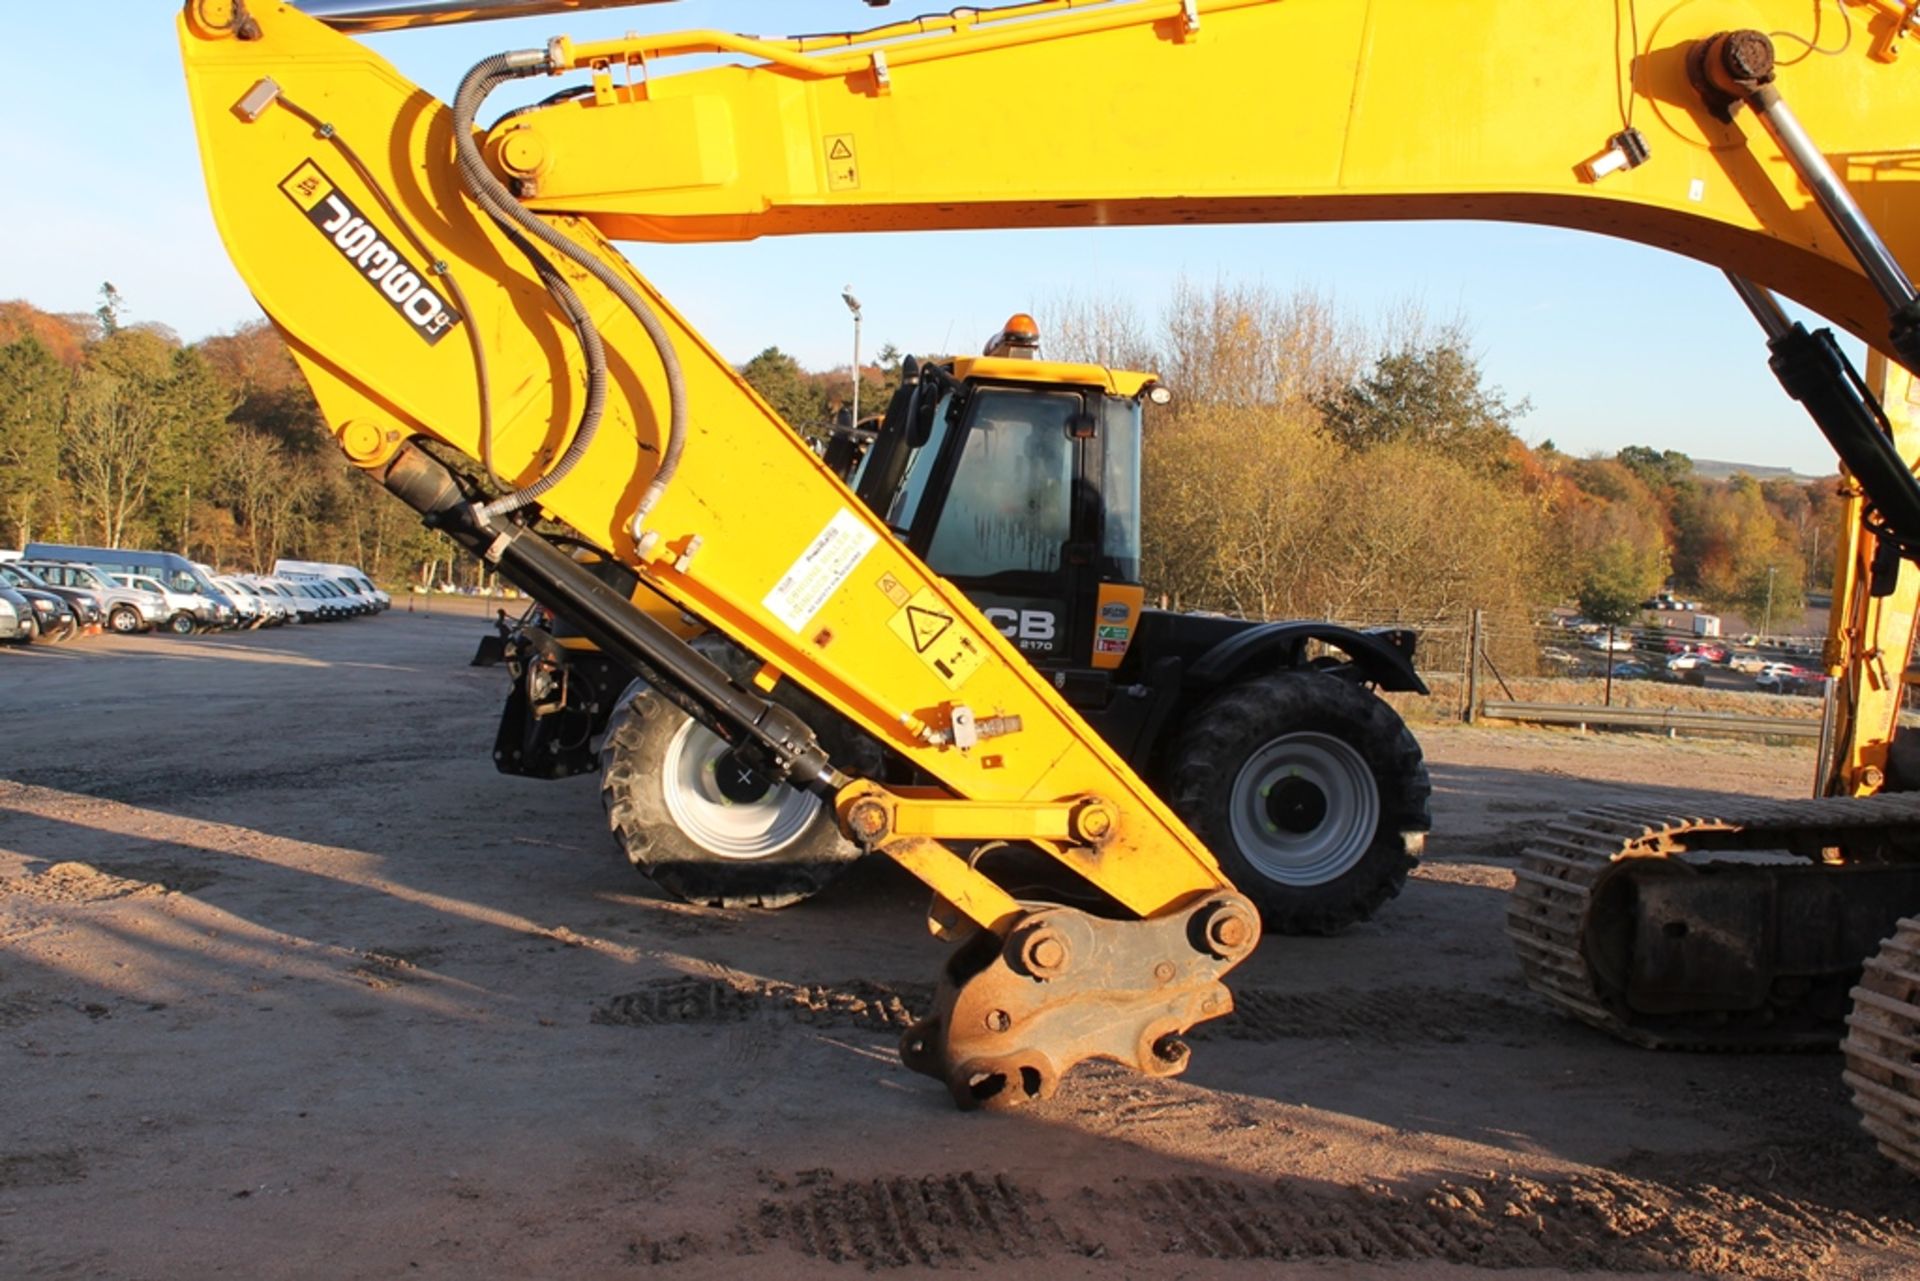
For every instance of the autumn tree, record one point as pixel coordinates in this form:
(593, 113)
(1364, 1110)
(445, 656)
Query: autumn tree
(1657, 468)
(1430, 395)
(113, 443)
(33, 388)
(783, 384)
(1245, 344)
(1096, 330)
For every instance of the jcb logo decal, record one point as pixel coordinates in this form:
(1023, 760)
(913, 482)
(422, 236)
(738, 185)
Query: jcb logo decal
(402, 284)
(1030, 628)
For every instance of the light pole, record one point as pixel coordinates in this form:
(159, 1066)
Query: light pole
(853, 305)
(1766, 627)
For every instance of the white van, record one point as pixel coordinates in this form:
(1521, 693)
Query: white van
(351, 579)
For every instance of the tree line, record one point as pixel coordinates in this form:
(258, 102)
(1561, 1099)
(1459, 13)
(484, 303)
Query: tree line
(120, 435)
(1313, 465)
(1310, 465)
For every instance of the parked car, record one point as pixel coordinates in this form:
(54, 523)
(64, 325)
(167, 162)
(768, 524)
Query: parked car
(82, 604)
(1631, 671)
(51, 618)
(1705, 649)
(271, 608)
(176, 573)
(1620, 642)
(305, 609)
(348, 577)
(187, 611)
(333, 602)
(16, 617)
(246, 607)
(299, 609)
(128, 609)
(1785, 678)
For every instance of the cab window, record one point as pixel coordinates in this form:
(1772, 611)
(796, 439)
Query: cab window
(921, 461)
(1010, 506)
(1120, 489)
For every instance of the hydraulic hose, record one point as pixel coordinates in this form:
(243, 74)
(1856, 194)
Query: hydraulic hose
(500, 204)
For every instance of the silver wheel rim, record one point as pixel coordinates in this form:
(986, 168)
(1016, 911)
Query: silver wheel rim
(125, 621)
(1276, 797)
(730, 829)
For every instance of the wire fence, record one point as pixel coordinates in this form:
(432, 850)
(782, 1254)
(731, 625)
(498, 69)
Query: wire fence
(1679, 662)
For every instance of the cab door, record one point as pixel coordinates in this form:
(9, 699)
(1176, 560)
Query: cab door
(1018, 528)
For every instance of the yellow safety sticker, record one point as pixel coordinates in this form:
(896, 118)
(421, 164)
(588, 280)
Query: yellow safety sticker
(942, 641)
(891, 588)
(843, 169)
(307, 186)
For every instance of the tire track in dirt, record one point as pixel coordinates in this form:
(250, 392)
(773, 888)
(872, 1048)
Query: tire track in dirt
(879, 1007)
(41, 1169)
(1386, 1016)
(1587, 1222)
(906, 1222)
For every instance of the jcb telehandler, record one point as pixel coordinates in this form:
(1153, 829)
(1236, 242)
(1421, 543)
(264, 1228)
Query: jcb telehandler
(1018, 480)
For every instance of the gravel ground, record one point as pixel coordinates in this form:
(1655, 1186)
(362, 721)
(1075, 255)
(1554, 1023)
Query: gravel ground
(293, 984)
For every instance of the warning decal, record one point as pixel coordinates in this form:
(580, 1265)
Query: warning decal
(826, 563)
(891, 588)
(943, 644)
(843, 167)
(927, 626)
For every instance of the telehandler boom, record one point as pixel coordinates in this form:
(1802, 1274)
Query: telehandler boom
(478, 345)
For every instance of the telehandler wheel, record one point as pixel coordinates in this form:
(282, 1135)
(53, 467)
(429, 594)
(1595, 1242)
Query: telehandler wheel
(1310, 792)
(704, 827)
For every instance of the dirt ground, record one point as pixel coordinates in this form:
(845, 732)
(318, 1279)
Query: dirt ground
(292, 984)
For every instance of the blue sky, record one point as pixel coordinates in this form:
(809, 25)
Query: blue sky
(1613, 343)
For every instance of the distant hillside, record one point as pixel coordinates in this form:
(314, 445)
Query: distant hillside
(1715, 469)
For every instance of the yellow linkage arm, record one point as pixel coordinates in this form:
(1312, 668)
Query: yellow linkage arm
(1238, 111)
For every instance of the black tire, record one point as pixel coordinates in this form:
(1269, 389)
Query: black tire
(1311, 793)
(124, 619)
(657, 772)
(181, 624)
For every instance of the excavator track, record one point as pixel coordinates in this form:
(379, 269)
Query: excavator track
(1591, 880)
(1883, 1047)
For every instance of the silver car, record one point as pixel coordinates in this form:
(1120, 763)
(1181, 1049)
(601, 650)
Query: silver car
(127, 609)
(16, 617)
(186, 611)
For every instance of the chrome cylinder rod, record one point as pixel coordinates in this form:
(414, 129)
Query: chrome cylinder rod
(1765, 307)
(1875, 259)
(394, 15)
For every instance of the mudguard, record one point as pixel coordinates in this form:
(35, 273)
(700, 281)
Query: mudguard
(1383, 655)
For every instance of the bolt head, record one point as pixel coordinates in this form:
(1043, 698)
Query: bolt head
(867, 820)
(1095, 822)
(1163, 972)
(1043, 954)
(1231, 931)
(998, 1020)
